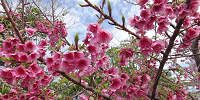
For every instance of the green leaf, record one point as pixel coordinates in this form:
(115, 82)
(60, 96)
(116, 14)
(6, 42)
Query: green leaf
(63, 80)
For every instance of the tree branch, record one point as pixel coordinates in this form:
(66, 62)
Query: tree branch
(111, 19)
(195, 51)
(12, 22)
(165, 56)
(77, 82)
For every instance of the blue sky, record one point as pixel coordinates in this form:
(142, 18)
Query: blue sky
(86, 15)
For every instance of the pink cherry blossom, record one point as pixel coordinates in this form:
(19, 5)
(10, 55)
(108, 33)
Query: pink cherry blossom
(14, 40)
(124, 76)
(92, 49)
(67, 66)
(94, 28)
(69, 56)
(30, 46)
(41, 52)
(45, 80)
(1, 28)
(158, 8)
(49, 61)
(8, 46)
(30, 31)
(83, 64)
(115, 84)
(133, 21)
(43, 43)
(193, 32)
(104, 36)
(35, 87)
(142, 3)
(126, 53)
(123, 62)
(56, 56)
(187, 21)
(21, 47)
(23, 58)
(33, 56)
(145, 42)
(20, 72)
(146, 14)
(34, 67)
(53, 67)
(132, 90)
(83, 97)
(157, 46)
(113, 71)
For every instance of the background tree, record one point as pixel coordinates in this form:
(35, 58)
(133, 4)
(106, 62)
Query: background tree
(92, 70)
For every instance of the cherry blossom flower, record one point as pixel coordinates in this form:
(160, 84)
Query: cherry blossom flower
(94, 28)
(45, 80)
(83, 97)
(115, 84)
(92, 49)
(158, 8)
(23, 58)
(34, 67)
(126, 53)
(145, 42)
(104, 36)
(67, 66)
(41, 52)
(53, 67)
(82, 64)
(146, 14)
(20, 71)
(30, 31)
(33, 56)
(124, 76)
(21, 47)
(157, 46)
(8, 46)
(113, 71)
(1, 28)
(30, 46)
(142, 3)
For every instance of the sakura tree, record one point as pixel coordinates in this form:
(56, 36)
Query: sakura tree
(93, 69)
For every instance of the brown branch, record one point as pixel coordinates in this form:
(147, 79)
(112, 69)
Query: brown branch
(42, 12)
(165, 56)
(2, 40)
(64, 88)
(195, 51)
(11, 20)
(53, 11)
(186, 56)
(111, 19)
(77, 82)
(23, 14)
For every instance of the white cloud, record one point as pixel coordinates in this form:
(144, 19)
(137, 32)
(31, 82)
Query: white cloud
(92, 1)
(134, 10)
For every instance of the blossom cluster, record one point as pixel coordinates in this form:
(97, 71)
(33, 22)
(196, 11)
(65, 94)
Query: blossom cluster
(54, 31)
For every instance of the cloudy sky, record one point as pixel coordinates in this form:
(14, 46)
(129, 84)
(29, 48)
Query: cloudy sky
(86, 15)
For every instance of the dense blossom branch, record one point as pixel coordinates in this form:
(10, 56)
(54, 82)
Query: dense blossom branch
(111, 19)
(165, 56)
(11, 20)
